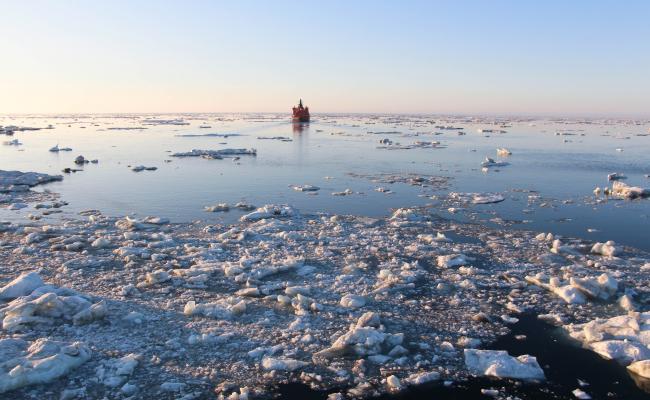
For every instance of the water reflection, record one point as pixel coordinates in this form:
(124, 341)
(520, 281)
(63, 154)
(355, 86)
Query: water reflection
(300, 127)
(333, 147)
(300, 135)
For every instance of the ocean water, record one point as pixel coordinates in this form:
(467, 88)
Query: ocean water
(558, 162)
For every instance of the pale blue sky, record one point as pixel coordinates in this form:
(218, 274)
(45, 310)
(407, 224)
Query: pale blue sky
(497, 57)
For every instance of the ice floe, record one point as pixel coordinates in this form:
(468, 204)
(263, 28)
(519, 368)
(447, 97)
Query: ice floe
(622, 190)
(305, 188)
(216, 154)
(499, 363)
(57, 149)
(42, 361)
(35, 303)
(14, 180)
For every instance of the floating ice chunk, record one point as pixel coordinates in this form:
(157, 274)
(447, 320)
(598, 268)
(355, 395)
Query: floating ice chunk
(296, 290)
(158, 276)
(271, 211)
(33, 237)
(489, 162)
(622, 351)
(420, 378)
(140, 168)
(156, 220)
(57, 149)
(238, 308)
(116, 371)
(353, 301)
(626, 303)
(430, 239)
(212, 310)
(280, 138)
(624, 339)
(509, 320)
(216, 154)
(129, 290)
(305, 188)
(101, 243)
(346, 192)
(248, 292)
(393, 383)
(568, 293)
(21, 286)
(447, 347)
(207, 338)
(282, 364)
(477, 198)
(602, 287)
(134, 317)
(244, 206)
(580, 394)
(366, 338)
(640, 368)
(606, 249)
(624, 327)
(407, 214)
(13, 179)
(452, 260)
(85, 262)
(389, 145)
(559, 248)
(302, 304)
(90, 314)
(40, 362)
(499, 363)
(149, 223)
(468, 342)
(541, 237)
(615, 176)
(218, 207)
(487, 198)
(47, 305)
(621, 190)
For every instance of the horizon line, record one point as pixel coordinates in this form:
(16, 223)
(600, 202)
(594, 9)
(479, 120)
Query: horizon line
(541, 115)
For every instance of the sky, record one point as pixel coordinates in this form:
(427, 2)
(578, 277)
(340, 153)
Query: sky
(579, 57)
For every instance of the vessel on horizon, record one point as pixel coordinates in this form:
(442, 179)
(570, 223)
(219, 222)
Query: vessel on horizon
(300, 113)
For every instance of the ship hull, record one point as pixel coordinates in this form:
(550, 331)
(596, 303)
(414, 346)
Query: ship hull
(300, 113)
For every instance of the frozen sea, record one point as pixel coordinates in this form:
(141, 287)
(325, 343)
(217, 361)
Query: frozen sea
(547, 184)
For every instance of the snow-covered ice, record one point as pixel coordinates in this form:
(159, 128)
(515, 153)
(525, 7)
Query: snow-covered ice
(500, 364)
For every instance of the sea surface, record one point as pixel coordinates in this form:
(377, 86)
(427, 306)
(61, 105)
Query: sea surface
(547, 184)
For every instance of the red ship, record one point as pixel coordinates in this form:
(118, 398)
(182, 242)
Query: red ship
(300, 113)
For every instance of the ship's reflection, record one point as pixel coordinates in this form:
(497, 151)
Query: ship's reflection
(300, 127)
(301, 140)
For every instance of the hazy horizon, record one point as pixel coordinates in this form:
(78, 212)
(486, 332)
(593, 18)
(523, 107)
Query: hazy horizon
(522, 116)
(583, 59)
